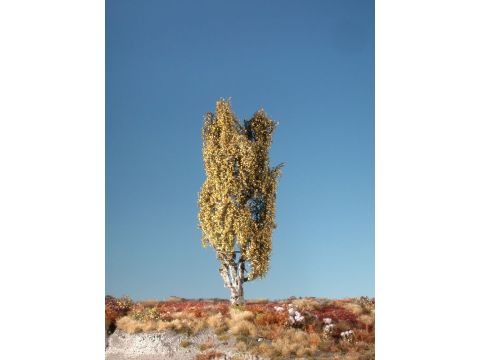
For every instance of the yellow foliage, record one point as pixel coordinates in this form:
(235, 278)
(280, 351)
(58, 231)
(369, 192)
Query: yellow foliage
(237, 200)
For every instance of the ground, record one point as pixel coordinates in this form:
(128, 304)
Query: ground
(309, 328)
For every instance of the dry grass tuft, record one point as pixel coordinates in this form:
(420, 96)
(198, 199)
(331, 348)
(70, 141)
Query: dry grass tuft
(149, 326)
(206, 345)
(306, 304)
(240, 323)
(243, 327)
(185, 343)
(367, 320)
(238, 315)
(224, 338)
(293, 342)
(198, 325)
(149, 302)
(132, 326)
(266, 351)
(237, 357)
(129, 325)
(241, 346)
(164, 325)
(184, 326)
(217, 323)
(353, 308)
(258, 301)
(326, 345)
(210, 355)
(275, 331)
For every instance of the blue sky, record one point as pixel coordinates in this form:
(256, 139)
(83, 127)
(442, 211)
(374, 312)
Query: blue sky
(310, 65)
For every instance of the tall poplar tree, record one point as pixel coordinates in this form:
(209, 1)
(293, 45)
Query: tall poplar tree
(237, 200)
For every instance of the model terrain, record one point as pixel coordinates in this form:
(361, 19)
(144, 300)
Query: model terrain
(237, 204)
(295, 328)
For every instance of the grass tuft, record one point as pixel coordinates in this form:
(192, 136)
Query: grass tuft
(210, 355)
(185, 343)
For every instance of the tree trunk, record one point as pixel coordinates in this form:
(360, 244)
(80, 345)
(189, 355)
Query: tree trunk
(233, 275)
(236, 294)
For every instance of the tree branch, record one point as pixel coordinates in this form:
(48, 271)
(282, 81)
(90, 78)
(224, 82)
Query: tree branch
(241, 270)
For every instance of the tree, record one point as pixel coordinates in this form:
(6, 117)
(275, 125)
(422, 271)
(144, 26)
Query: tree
(237, 199)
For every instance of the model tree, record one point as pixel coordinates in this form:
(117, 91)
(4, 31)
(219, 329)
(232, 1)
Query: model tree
(237, 200)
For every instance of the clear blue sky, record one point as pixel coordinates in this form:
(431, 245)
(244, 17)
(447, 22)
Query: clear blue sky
(310, 65)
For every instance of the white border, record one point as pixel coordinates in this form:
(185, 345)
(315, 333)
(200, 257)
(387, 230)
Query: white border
(52, 179)
(427, 179)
